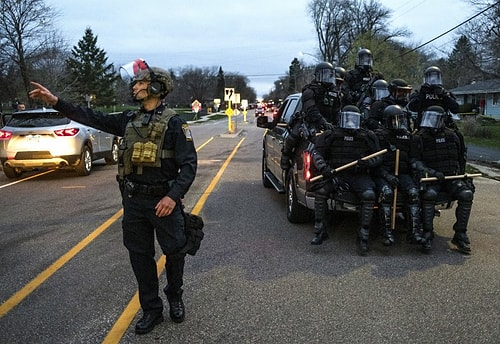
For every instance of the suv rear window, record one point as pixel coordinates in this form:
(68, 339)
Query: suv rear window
(33, 120)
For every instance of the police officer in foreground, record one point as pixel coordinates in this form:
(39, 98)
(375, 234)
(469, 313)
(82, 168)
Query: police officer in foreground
(441, 152)
(431, 93)
(337, 147)
(395, 136)
(157, 165)
(320, 106)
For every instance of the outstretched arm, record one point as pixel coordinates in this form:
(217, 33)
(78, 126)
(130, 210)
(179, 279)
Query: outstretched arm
(41, 93)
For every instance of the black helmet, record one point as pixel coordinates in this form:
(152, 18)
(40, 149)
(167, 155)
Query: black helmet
(350, 117)
(380, 89)
(400, 91)
(433, 117)
(433, 76)
(364, 60)
(395, 118)
(340, 74)
(324, 73)
(160, 80)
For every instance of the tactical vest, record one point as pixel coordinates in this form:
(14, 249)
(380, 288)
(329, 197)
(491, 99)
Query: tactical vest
(142, 144)
(346, 146)
(327, 101)
(399, 140)
(440, 152)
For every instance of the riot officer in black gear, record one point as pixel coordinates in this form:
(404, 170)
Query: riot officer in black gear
(399, 93)
(320, 106)
(396, 138)
(157, 165)
(431, 93)
(334, 148)
(442, 152)
(378, 91)
(358, 81)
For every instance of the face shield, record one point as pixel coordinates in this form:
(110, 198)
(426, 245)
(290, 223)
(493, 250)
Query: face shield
(379, 93)
(350, 120)
(433, 78)
(432, 119)
(134, 71)
(402, 94)
(326, 76)
(397, 122)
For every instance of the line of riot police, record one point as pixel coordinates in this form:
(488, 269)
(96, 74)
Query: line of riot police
(350, 115)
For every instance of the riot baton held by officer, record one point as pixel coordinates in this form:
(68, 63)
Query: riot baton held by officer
(156, 167)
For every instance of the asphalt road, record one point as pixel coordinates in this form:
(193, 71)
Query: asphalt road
(256, 278)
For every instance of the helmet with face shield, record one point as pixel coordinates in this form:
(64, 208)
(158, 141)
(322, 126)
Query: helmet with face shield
(324, 73)
(160, 81)
(350, 117)
(364, 60)
(400, 91)
(395, 118)
(433, 117)
(433, 76)
(379, 90)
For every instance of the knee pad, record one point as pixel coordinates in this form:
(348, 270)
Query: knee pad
(368, 195)
(429, 194)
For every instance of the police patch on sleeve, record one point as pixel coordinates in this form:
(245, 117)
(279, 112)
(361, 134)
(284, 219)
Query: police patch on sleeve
(187, 132)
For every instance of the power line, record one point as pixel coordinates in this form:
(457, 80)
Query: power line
(441, 35)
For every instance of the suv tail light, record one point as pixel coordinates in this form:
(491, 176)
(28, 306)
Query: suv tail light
(67, 132)
(5, 135)
(306, 157)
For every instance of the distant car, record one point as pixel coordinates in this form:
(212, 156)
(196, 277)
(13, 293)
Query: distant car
(259, 111)
(45, 139)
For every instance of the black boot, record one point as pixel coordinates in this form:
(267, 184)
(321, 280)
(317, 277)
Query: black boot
(414, 235)
(362, 241)
(320, 222)
(175, 272)
(177, 311)
(427, 238)
(386, 223)
(461, 240)
(462, 214)
(148, 322)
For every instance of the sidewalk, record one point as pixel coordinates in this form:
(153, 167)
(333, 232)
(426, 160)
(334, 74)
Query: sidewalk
(489, 171)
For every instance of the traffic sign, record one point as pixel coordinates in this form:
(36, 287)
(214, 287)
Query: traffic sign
(229, 94)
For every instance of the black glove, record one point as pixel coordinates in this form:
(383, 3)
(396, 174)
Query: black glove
(285, 162)
(392, 180)
(364, 163)
(328, 172)
(328, 126)
(439, 175)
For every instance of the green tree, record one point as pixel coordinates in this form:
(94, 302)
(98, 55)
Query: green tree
(91, 78)
(462, 66)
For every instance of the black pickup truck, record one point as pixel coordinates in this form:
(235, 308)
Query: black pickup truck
(294, 182)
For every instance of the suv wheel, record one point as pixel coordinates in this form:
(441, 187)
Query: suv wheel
(11, 172)
(295, 212)
(85, 165)
(112, 157)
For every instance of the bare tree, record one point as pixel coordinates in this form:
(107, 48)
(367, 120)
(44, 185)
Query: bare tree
(25, 35)
(483, 33)
(339, 23)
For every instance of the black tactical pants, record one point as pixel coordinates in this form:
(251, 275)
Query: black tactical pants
(139, 227)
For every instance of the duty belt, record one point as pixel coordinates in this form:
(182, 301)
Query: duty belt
(133, 188)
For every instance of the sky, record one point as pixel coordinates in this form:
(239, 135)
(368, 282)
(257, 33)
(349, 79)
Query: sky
(254, 38)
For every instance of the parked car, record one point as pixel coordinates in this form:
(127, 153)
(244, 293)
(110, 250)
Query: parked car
(296, 181)
(45, 139)
(259, 111)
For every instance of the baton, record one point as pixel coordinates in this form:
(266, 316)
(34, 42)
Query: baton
(395, 197)
(352, 163)
(431, 179)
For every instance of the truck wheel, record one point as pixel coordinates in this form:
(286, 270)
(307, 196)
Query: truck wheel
(295, 212)
(11, 172)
